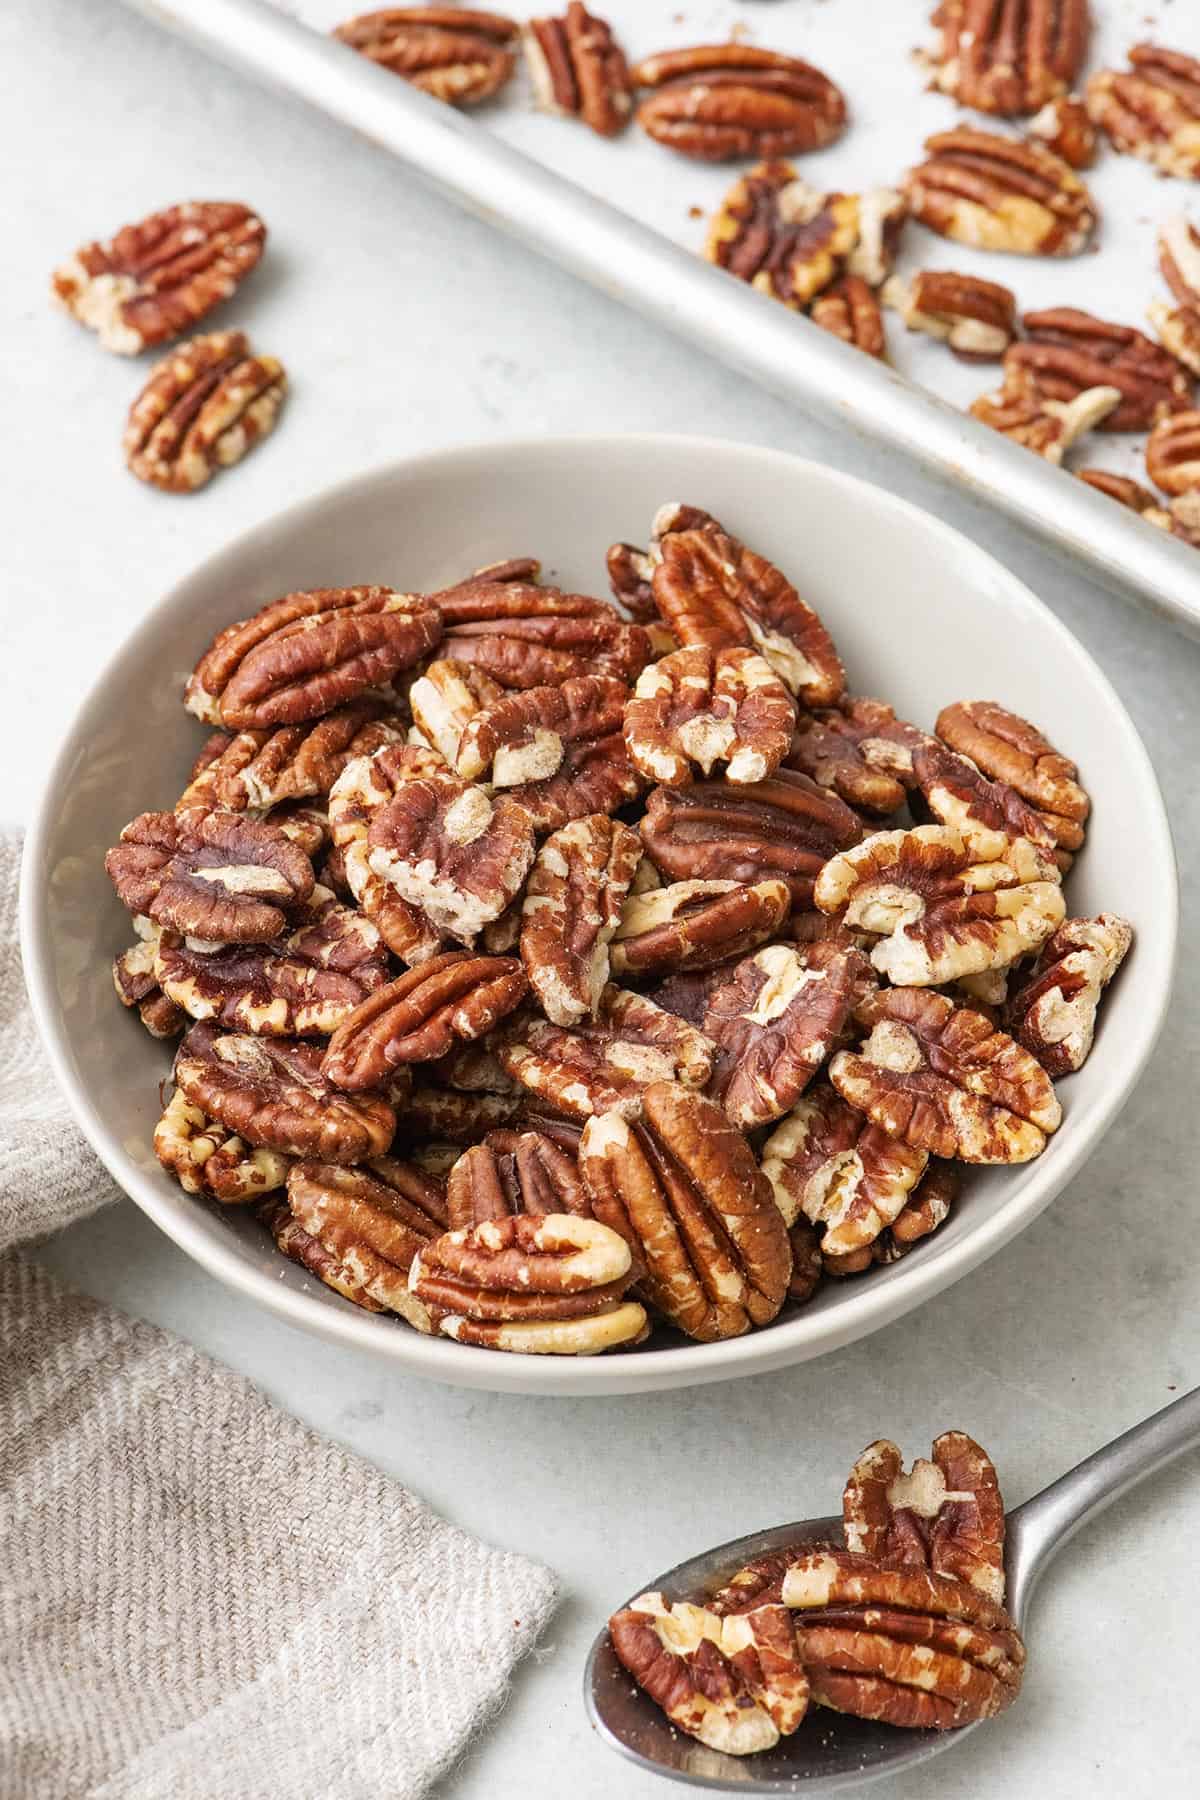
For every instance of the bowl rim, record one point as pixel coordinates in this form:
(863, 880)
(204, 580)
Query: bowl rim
(867, 1307)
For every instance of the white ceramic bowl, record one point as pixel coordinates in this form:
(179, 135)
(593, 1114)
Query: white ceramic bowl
(921, 617)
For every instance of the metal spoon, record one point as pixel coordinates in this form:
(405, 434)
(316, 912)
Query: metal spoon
(831, 1751)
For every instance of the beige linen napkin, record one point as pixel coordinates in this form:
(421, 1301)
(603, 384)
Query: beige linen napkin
(199, 1598)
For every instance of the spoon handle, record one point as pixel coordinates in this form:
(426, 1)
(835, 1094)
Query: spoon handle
(1040, 1528)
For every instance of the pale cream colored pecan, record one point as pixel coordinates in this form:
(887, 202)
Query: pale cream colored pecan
(1151, 110)
(995, 193)
(137, 984)
(457, 54)
(1064, 127)
(550, 1284)
(698, 707)
(1010, 58)
(519, 739)
(1020, 411)
(203, 407)
(786, 826)
(860, 750)
(942, 1079)
(903, 1646)
(253, 771)
(271, 1092)
(1173, 454)
(361, 792)
(607, 1063)
(790, 241)
(1011, 750)
(224, 878)
(938, 909)
(694, 925)
(735, 1683)
(1179, 329)
(1053, 1011)
(307, 653)
(301, 985)
(682, 1186)
(719, 101)
(1067, 351)
(775, 1021)
(1179, 260)
(578, 69)
(420, 1016)
(514, 1172)
(945, 1514)
(444, 700)
(156, 279)
(976, 318)
(849, 309)
(359, 1229)
(204, 1158)
(845, 1176)
(572, 907)
(527, 636)
(714, 591)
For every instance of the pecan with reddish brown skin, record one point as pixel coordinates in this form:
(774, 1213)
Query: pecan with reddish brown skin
(687, 994)
(683, 1188)
(946, 1515)
(525, 636)
(1151, 110)
(1020, 411)
(456, 54)
(514, 1172)
(630, 575)
(700, 706)
(137, 984)
(860, 750)
(259, 769)
(1064, 127)
(712, 590)
(939, 1076)
(901, 1645)
(578, 69)
(977, 319)
(203, 407)
(302, 985)
(368, 1223)
(787, 826)
(808, 1267)
(272, 1093)
(695, 925)
(596, 776)
(450, 850)
(607, 1063)
(552, 1284)
(939, 907)
(1012, 58)
(850, 310)
(444, 700)
(774, 1023)
(572, 906)
(927, 1208)
(418, 1017)
(1053, 1012)
(519, 739)
(719, 101)
(1173, 454)
(825, 1163)
(1124, 490)
(1179, 260)
(223, 878)
(790, 241)
(361, 792)
(956, 793)
(736, 1683)
(204, 1158)
(447, 1115)
(156, 279)
(1068, 351)
(302, 656)
(996, 194)
(1014, 752)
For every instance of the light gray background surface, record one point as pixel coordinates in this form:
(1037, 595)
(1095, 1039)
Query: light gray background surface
(405, 326)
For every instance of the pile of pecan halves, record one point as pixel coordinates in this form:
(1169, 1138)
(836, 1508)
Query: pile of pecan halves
(905, 1624)
(548, 970)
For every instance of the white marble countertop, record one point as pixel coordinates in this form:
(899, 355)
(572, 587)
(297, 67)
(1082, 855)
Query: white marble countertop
(405, 326)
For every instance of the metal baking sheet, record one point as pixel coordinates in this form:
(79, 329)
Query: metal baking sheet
(630, 217)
